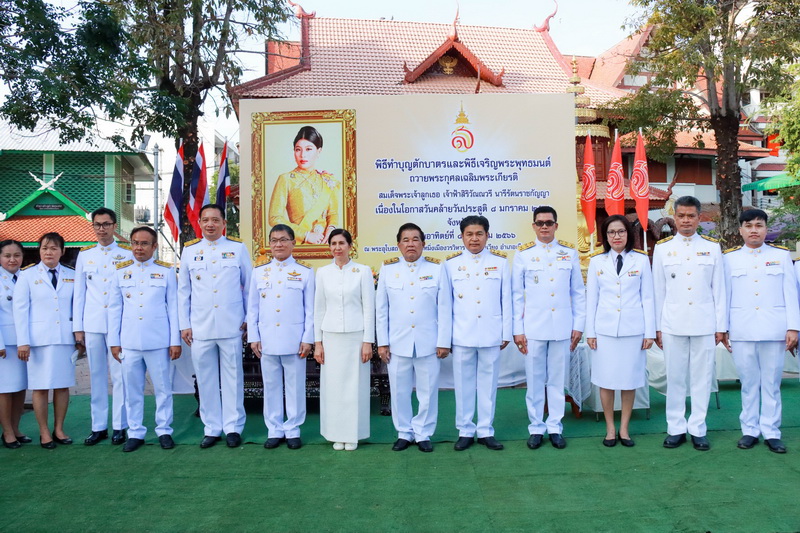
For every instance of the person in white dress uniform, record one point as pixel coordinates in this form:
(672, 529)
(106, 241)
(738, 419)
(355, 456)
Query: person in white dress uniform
(764, 318)
(344, 330)
(13, 370)
(144, 335)
(411, 338)
(477, 312)
(620, 322)
(280, 329)
(94, 271)
(43, 323)
(549, 314)
(212, 306)
(691, 319)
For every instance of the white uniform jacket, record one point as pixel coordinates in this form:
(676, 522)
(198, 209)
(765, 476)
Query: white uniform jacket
(94, 270)
(689, 283)
(478, 299)
(212, 288)
(762, 293)
(280, 306)
(42, 314)
(8, 335)
(344, 300)
(549, 295)
(407, 307)
(620, 305)
(143, 306)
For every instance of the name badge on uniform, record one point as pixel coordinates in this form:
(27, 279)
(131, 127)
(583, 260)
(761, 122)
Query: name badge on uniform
(198, 258)
(127, 275)
(228, 255)
(703, 253)
(772, 263)
(156, 275)
(425, 278)
(633, 273)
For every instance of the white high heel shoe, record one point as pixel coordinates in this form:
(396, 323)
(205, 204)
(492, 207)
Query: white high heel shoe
(350, 446)
(338, 446)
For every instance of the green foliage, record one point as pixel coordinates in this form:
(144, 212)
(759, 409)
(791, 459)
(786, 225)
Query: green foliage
(786, 122)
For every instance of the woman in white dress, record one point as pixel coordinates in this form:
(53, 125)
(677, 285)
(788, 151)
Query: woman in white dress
(43, 320)
(13, 371)
(620, 322)
(344, 330)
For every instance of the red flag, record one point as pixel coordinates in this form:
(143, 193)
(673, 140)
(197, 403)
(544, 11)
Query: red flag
(589, 186)
(172, 211)
(198, 191)
(615, 190)
(640, 183)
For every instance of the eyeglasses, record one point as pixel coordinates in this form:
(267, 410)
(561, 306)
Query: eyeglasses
(102, 225)
(141, 243)
(612, 233)
(547, 223)
(282, 240)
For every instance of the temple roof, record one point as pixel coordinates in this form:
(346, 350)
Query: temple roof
(609, 68)
(687, 144)
(355, 57)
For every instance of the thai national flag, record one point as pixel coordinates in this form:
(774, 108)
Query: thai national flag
(198, 191)
(224, 178)
(172, 211)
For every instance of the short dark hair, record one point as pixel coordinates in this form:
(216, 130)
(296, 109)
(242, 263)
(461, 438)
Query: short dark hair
(746, 216)
(53, 237)
(688, 201)
(344, 233)
(410, 226)
(212, 206)
(282, 227)
(146, 229)
(475, 220)
(542, 209)
(104, 211)
(11, 242)
(310, 134)
(628, 228)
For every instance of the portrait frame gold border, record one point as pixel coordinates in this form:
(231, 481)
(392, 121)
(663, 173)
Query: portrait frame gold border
(347, 119)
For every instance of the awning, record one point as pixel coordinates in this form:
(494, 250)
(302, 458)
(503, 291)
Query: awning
(778, 181)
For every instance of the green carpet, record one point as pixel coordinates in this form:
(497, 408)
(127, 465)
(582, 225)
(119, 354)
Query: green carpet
(585, 487)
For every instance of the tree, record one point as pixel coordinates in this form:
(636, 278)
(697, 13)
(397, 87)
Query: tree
(786, 116)
(709, 52)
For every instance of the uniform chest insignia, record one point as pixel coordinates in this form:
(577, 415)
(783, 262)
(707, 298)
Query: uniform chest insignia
(199, 258)
(355, 269)
(703, 253)
(127, 295)
(294, 273)
(599, 273)
(156, 275)
(633, 273)
(535, 259)
(68, 280)
(773, 263)
(490, 269)
(118, 257)
(425, 278)
(563, 258)
(229, 255)
(90, 262)
(562, 252)
(127, 275)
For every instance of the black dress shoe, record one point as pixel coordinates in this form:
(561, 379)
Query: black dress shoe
(425, 446)
(747, 442)
(535, 440)
(628, 443)
(47, 445)
(13, 445)
(166, 442)
(273, 442)
(95, 437)
(673, 441)
(491, 443)
(558, 441)
(208, 442)
(65, 441)
(775, 445)
(463, 443)
(233, 440)
(400, 445)
(701, 443)
(294, 443)
(132, 445)
(118, 436)
(24, 439)
(610, 443)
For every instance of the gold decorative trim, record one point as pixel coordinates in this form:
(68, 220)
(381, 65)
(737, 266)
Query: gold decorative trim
(596, 130)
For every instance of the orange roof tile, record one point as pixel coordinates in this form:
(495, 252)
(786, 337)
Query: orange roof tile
(355, 57)
(585, 66)
(687, 144)
(610, 66)
(74, 228)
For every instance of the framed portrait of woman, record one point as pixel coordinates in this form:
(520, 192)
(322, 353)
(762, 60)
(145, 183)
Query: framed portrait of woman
(304, 176)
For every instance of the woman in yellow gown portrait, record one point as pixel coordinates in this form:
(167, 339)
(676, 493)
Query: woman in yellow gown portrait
(306, 199)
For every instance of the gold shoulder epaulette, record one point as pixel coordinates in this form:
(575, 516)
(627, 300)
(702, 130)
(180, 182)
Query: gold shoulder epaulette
(234, 239)
(598, 252)
(27, 267)
(264, 260)
(433, 260)
(778, 246)
(712, 239)
(665, 239)
(455, 254)
(124, 264)
(391, 261)
(124, 246)
(164, 264)
(303, 263)
(499, 253)
(88, 247)
(566, 244)
(193, 241)
(523, 247)
(729, 250)
(638, 251)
